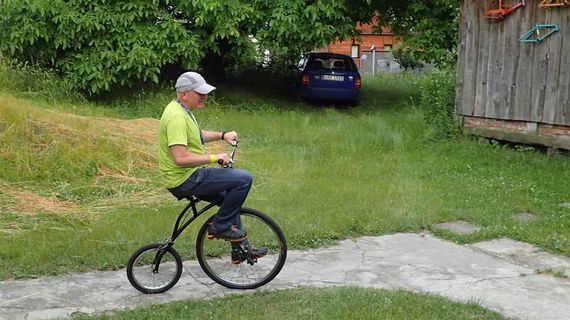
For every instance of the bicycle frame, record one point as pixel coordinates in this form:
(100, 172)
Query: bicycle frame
(180, 224)
(179, 227)
(503, 10)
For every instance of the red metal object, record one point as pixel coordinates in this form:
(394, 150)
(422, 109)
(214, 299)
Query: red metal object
(502, 9)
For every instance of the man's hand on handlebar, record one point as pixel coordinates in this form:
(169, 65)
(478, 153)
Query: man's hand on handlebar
(223, 159)
(230, 136)
(227, 160)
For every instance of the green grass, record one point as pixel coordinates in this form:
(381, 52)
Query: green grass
(323, 172)
(332, 303)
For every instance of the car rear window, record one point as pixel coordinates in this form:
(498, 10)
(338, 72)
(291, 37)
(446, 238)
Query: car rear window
(332, 63)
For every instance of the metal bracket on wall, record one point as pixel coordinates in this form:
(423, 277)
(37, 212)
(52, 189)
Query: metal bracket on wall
(554, 3)
(500, 10)
(539, 32)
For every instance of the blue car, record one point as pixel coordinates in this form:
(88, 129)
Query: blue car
(329, 76)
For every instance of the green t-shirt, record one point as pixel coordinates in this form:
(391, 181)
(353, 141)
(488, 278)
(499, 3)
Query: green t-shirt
(177, 127)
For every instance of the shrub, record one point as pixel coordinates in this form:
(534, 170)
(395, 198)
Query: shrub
(406, 58)
(438, 101)
(97, 45)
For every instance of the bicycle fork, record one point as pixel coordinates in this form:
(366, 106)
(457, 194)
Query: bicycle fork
(159, 255)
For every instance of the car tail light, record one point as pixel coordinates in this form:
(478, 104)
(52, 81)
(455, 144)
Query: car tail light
(305, 80)
(357, 82)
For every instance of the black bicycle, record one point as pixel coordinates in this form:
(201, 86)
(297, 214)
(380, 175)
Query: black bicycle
(157, 267)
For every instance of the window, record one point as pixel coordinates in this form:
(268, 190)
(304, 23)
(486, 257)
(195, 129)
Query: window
(354, 52)
(328, 63)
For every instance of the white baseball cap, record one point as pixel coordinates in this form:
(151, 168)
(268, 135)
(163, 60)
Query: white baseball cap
(193, 81)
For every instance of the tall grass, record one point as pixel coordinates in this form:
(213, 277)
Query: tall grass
(323, 172)
(34, 83)
(62, 153)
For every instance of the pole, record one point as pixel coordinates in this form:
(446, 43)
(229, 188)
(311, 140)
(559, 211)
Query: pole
(373, 48)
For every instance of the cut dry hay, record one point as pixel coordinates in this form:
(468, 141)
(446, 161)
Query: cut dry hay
(24, 202)
(138, 136)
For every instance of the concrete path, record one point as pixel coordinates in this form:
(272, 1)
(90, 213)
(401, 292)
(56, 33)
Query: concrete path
(501, 275)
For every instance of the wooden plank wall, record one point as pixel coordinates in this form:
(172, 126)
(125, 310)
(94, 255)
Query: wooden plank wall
(499, 77)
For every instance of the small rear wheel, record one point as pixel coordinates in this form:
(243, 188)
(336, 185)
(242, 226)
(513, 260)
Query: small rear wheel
(154, 268)
(236, 265)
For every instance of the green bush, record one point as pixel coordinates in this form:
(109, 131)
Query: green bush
(438, 101)
(406, 58)
(100, 46)
(97, 45)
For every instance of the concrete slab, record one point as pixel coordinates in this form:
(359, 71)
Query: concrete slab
(526, 255)
(526, 217)
(420, 263)
(459, 227)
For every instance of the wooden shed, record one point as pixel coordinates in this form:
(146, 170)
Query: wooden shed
(513, 78)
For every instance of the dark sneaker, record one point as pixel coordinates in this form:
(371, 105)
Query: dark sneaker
(231, 234)
(239, 255)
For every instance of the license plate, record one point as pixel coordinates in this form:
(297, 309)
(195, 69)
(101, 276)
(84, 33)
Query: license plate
(333, 78)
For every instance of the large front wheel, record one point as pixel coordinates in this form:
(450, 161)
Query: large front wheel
(238, 265)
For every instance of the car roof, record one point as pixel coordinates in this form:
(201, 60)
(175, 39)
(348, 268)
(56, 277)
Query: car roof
(328, 54)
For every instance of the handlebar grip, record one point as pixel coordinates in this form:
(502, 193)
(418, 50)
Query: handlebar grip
(220, 162)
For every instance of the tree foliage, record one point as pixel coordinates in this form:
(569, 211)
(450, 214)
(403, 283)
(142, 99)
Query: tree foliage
(428, 26)
(405, 57)
(101, 44)
(97, 44)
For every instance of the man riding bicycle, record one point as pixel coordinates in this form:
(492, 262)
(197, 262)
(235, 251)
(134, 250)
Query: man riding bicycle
(182, 159)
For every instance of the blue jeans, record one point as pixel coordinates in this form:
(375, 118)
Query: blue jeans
(226, 187)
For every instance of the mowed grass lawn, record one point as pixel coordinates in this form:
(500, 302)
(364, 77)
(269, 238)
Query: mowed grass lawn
(305, 303)
(323, 172)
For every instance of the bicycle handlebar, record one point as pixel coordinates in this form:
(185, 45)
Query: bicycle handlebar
(232, 153)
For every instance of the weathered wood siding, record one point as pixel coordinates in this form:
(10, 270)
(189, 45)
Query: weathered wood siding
(504, 79)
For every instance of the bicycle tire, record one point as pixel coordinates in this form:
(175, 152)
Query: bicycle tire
(141, 273)
(214, 255)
